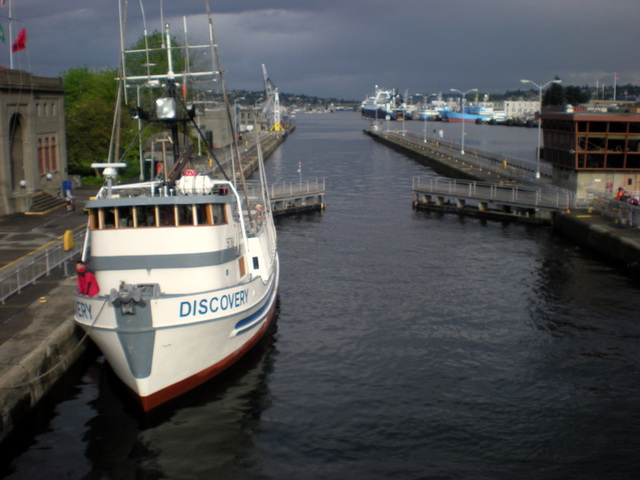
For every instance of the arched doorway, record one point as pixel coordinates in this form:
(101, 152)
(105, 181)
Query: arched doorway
(16, 151)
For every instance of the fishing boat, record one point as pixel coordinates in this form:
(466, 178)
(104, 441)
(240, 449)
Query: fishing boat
(186, 262)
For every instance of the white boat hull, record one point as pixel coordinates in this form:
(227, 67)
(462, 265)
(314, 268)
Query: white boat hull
(191, 338)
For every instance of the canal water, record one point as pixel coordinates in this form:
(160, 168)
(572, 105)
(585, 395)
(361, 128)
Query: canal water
(408, 345)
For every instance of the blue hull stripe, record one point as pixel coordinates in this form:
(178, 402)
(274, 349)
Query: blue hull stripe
(255, 318)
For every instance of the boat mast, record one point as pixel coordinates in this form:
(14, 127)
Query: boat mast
(218, 67)
(114, 145)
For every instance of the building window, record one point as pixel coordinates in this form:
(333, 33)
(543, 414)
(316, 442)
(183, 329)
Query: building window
(47, 155)
(54, 155)
(41, 165)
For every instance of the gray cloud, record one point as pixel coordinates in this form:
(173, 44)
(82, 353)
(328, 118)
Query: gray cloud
(344, 47)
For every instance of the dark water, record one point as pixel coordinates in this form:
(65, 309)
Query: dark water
(407, 346)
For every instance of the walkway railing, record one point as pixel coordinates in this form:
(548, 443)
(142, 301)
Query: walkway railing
(623, 213)
(282, 190)
(303, 187)
(517, 195)
(506, 166)
(26, 271)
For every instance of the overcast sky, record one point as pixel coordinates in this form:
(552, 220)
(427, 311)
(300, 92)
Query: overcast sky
(343, 48)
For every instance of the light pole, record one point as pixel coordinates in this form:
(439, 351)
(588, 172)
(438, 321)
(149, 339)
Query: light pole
(540, 88)
(425, 117)
(464, 97)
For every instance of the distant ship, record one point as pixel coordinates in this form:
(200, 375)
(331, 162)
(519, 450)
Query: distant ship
(431, 113)
(385, 103)
(470, 114)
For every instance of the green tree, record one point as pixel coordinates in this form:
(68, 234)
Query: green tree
(90, 98)
(575, 95)
(554, 95)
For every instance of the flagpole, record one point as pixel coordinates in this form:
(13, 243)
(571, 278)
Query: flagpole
(10, 36)
(615, 77)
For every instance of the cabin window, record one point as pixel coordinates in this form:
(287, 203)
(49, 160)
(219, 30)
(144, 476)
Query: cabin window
(218, 214)
(185, 215)
(146, 216)
(124, 217)
(109, 218)
(167, 215)
(201, 214)
(158, 216)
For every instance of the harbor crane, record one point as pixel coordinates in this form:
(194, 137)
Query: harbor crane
(271, 108)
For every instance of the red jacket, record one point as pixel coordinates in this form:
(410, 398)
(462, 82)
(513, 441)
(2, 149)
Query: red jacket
(87, 283)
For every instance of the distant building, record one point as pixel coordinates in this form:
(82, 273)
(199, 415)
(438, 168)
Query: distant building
(592, 151)
(520, 108)
(33, 151)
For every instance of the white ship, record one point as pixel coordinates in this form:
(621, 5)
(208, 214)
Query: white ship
(187, 264)
(384, 104)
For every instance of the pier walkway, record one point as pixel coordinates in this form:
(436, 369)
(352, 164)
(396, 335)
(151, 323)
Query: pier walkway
(292, 197)
(480, 183)
(447, 159)
(514, 202)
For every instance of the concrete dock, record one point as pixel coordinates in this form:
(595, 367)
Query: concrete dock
(38, 339)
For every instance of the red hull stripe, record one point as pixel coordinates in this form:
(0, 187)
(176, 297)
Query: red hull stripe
(156, 399)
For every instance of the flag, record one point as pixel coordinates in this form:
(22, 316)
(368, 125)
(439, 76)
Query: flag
(1, 32)
(2, 3)
(20, 42)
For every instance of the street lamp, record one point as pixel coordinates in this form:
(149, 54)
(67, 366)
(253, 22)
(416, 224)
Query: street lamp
(540, 87)
(464, 97)
(425, 117)
(424, 107)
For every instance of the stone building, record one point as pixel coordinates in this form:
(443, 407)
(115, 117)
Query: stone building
(33, 152)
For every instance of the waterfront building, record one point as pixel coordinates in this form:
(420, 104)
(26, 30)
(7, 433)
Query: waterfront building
(592, 152)
(33, 152)
(520, 108)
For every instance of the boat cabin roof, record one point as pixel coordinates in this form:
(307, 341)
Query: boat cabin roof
(122, 201)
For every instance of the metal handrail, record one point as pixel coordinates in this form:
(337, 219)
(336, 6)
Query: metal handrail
(521, 195)
(315, 186)
(622, 213)
(26, 271)
(504, 165)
